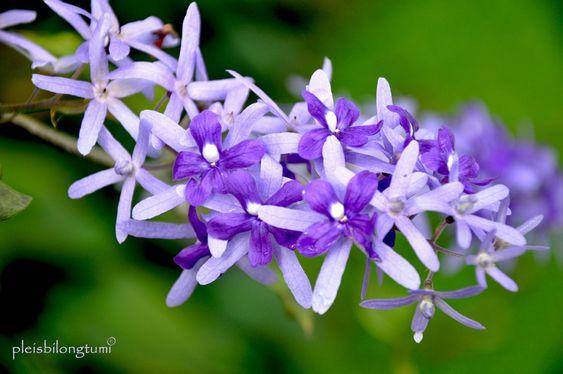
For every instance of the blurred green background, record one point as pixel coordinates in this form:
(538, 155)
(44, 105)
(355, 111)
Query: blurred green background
(63, 276)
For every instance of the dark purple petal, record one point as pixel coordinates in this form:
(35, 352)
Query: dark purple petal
(226, 225)
(242, 155)
(352, 138)
(291, 192)
(242, 185)
(316, 108)
(285, 238)
(346, 113)
(433, 160)
(188, 164)
(260, 250)
(406, 120)
(311, 144)
(320, 196)
(446, 140)
(188, 257)
(361, 228)
(199, 227)
(468, 167)
(360, 191)
(197, 192)
(206, 129)
(318, 238)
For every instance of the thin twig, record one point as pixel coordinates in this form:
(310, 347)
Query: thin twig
(60, 139)
(42, 105)
(446, 251)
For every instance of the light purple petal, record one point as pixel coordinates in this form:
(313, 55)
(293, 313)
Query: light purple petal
(289, 219)
(118, 50)
(93, 183)
(294, 276)
(90, 128)
(126, 87)
(235, 99)
(383, 225)
(97, 56)
(214, 267)
(159, 204)
(330, 276)
(223, 204)
(64, 86)
(15, 17)
(385, 99)
(457, 316)
(422, 248)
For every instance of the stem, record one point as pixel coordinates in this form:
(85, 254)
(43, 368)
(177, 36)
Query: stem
(438, 232)
(438, 248)
(43, 105)
(64, 141)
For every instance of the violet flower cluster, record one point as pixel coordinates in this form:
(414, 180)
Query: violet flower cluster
(265, 189)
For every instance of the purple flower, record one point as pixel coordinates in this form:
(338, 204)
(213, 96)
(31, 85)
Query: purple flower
(245, 235)
(428, 300)
(213, 163)
(440, 156)
(38, 56)
(338, 122)
(397, 204)
(128, 169)
(342, 219)
(102, 94)
(225, 226)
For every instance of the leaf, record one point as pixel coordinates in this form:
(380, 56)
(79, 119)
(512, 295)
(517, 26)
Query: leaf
(11, 201)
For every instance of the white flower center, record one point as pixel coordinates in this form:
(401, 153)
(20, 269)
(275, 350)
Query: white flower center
(336, 211)
(484, 260)
(252, 208)
(396, 205)
(465, 203)
(210, 153)
(181, 89)
(331, 121)
(100, 92)
(426, 306)
(124, 167)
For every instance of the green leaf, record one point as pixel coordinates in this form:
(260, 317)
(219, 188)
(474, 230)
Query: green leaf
(11, 201)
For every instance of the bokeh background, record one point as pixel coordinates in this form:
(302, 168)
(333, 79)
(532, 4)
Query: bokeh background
(63, 276)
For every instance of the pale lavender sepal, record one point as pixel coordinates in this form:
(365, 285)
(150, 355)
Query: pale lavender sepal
(160, 203)
(63, 86)
(124, 115)
(386, 304)
(217, 246)
(93, 183)
(289, 219)
(261, 274)
(91, 124)
(422, 248)
(294, 276)
(444, 307)
(271, 176)
(404, 167)
(190, 43)
(282, 143)
(150, 71)
(156, 230)
(396, 267)
(124, 206)
(214, 267)
(150, 183)
(184, 286)
(330, 275)
(501, 278)
(214, 90)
